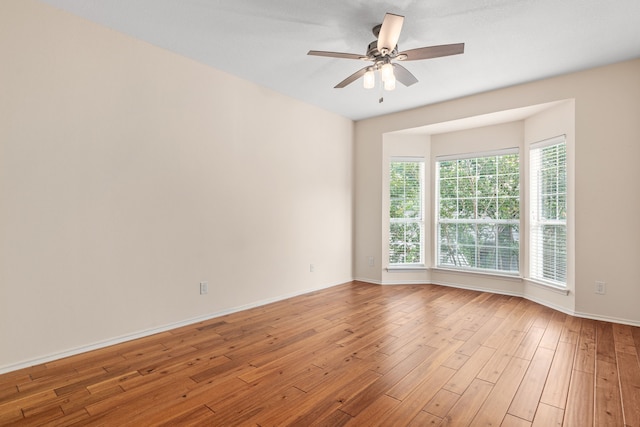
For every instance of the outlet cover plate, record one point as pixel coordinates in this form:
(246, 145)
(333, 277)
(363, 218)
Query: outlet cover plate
(204, 288)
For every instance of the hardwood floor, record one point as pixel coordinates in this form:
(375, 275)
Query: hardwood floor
(354, 354)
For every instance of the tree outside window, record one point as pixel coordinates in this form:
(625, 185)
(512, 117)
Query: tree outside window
(479, 213)
(406, 211)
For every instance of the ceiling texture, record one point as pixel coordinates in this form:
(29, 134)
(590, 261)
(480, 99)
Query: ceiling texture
(507, 42)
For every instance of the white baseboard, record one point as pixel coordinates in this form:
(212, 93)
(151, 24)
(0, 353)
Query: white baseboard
(141, 334)
(607, 319)
(367, 280)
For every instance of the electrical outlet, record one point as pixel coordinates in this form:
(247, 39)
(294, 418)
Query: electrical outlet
(600, 288)
(371, 261)
(312, 268)
(204, 288)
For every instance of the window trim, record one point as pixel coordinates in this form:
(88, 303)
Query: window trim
(532, 223)
(476, 154)
(422, 221)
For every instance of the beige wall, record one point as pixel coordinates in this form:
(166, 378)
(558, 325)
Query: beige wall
(606, 139)
(129, 174)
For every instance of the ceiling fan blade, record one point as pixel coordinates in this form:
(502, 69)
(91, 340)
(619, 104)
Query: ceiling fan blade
(352, 78)
(336, 54)
(403, 75)
(431, 52)
(389, 32)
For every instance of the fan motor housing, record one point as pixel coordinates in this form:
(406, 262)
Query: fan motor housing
(374, 53)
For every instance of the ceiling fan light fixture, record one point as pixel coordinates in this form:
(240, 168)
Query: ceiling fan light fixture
(369, 79)
(386, 71)
(390, 83)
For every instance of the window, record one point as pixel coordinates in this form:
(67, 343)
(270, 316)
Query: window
(406, 211)
(478, 214)
(548, 191)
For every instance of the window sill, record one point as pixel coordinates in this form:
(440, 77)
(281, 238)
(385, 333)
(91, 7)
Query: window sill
(479, 272)
(406, 268)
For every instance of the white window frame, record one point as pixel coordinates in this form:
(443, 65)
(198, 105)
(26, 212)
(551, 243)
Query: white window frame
(439, 221)
(420, 220)
(536, 222)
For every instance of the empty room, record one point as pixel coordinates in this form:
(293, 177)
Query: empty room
(319, 213)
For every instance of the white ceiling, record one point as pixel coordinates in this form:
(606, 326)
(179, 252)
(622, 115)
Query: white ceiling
(507, 42)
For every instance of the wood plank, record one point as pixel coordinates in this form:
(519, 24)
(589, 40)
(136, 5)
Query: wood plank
(529, 344)
(78, 418)
(10, 415)
(501, 358)
(455, 361)
(416, 376)
(579, 410)
(257, 411)
(27, 400)
(468, 405)
(608, 404)
(511, 421)
(442, 403)
(425, 419)
(324, 400)
(529, 317)
(335, 419)
(411, 405)
(362, 401)
(508, 305)
(586, 351)
(77, 401)
(605, 346)
(555, 392)
(548, 416)
(495, 407)
(199, 415)
(468, 372)
(480, 337)
(571, 330)
(553, 330)
(629, 376)
(164, 387)
(623, 339)
(298, 352)
(42, 416)
(374, 413)
(526, 399)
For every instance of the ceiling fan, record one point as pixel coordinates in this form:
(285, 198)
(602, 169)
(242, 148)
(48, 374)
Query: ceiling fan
(384, 50)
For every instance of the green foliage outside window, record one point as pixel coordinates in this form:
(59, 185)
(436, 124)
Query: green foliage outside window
(479, 213)
(406, 230)
(549, 222)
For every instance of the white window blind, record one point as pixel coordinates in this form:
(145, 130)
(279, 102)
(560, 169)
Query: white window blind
(406, 211)
(548, 219)
(479, 211)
